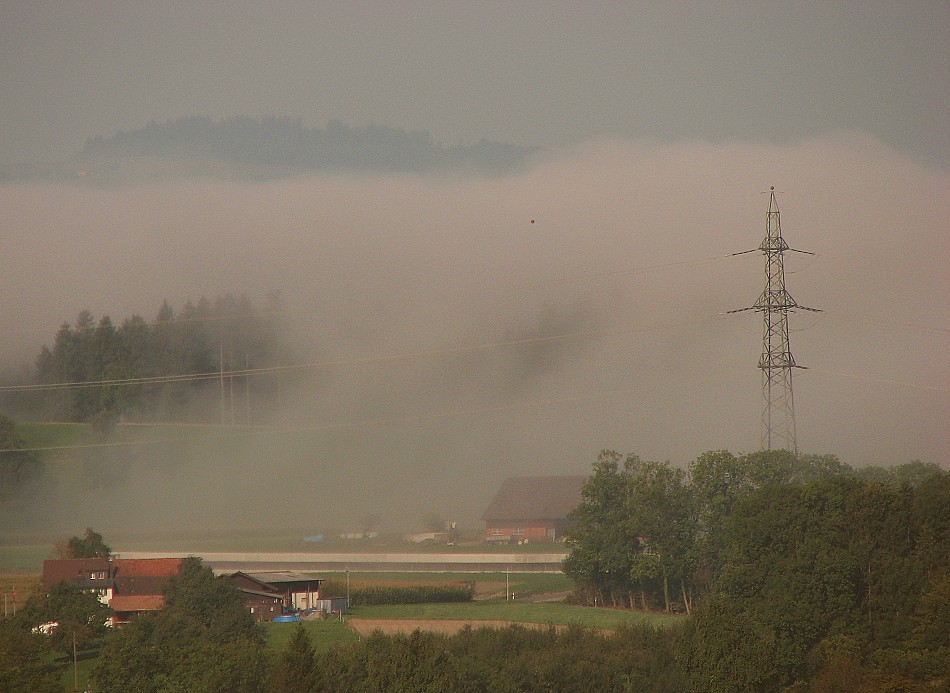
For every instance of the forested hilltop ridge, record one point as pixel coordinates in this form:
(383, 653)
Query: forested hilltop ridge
(282, 142)
(265, 149)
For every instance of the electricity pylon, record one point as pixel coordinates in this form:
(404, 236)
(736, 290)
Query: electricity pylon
(776, 362)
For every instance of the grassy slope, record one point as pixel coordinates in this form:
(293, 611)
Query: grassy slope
(42, 435)
(323, 634)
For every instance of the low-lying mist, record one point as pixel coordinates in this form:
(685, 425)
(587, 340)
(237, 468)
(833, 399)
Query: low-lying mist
(459, 330)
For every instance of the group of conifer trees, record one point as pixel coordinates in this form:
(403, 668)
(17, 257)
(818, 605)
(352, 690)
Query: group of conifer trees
(180, 367)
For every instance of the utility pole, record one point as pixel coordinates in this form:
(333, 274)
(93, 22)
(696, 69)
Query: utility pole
(776, 362)
(221, 368)
(75, 665)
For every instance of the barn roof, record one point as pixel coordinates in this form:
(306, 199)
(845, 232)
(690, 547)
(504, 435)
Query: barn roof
(148, 567)
(282, 577)
(143, 602)
(261, 593)
(535, 498)
(75, 570)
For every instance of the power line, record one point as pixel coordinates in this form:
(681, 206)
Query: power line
(318, 365)
(419, 287)
(231, 433)
(419, 354)
(892, 324)
(633, 270)
(876, 379)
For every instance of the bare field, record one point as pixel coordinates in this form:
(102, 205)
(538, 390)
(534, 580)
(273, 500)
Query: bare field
(25, 584)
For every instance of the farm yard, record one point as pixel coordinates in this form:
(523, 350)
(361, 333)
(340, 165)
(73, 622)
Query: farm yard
(480, 607)
(489, 608)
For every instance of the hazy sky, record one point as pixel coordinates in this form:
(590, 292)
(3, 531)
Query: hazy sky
(528, 73)
(662, 127)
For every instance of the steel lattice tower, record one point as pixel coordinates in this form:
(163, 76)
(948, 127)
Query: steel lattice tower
(776, 362)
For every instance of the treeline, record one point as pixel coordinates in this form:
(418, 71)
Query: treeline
(523, 659)
(204, 640)
(167, 370)
(283, 142)
(826, 584)
(793, 568)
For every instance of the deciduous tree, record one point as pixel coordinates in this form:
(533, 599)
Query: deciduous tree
(24, 662)
(89, 545)
(80, 616)
(17, 466)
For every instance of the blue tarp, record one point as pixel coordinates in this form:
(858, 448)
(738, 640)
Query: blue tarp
(287, 618)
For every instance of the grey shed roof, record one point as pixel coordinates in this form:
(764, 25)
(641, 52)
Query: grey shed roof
(282, 577)
(535, 498)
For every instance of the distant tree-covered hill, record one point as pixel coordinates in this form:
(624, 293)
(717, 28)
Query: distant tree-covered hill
(285, 143)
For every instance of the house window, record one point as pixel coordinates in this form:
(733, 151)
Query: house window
(519, 530)
(252, 609)
(496, 532)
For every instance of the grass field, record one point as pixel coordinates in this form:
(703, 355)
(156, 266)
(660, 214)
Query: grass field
(324, 634)
(522, 612)
(486, 584)
(23, 558)
(24, 584)
(52, 435)
(85, 661)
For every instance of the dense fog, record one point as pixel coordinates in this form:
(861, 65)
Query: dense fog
(450, 330)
